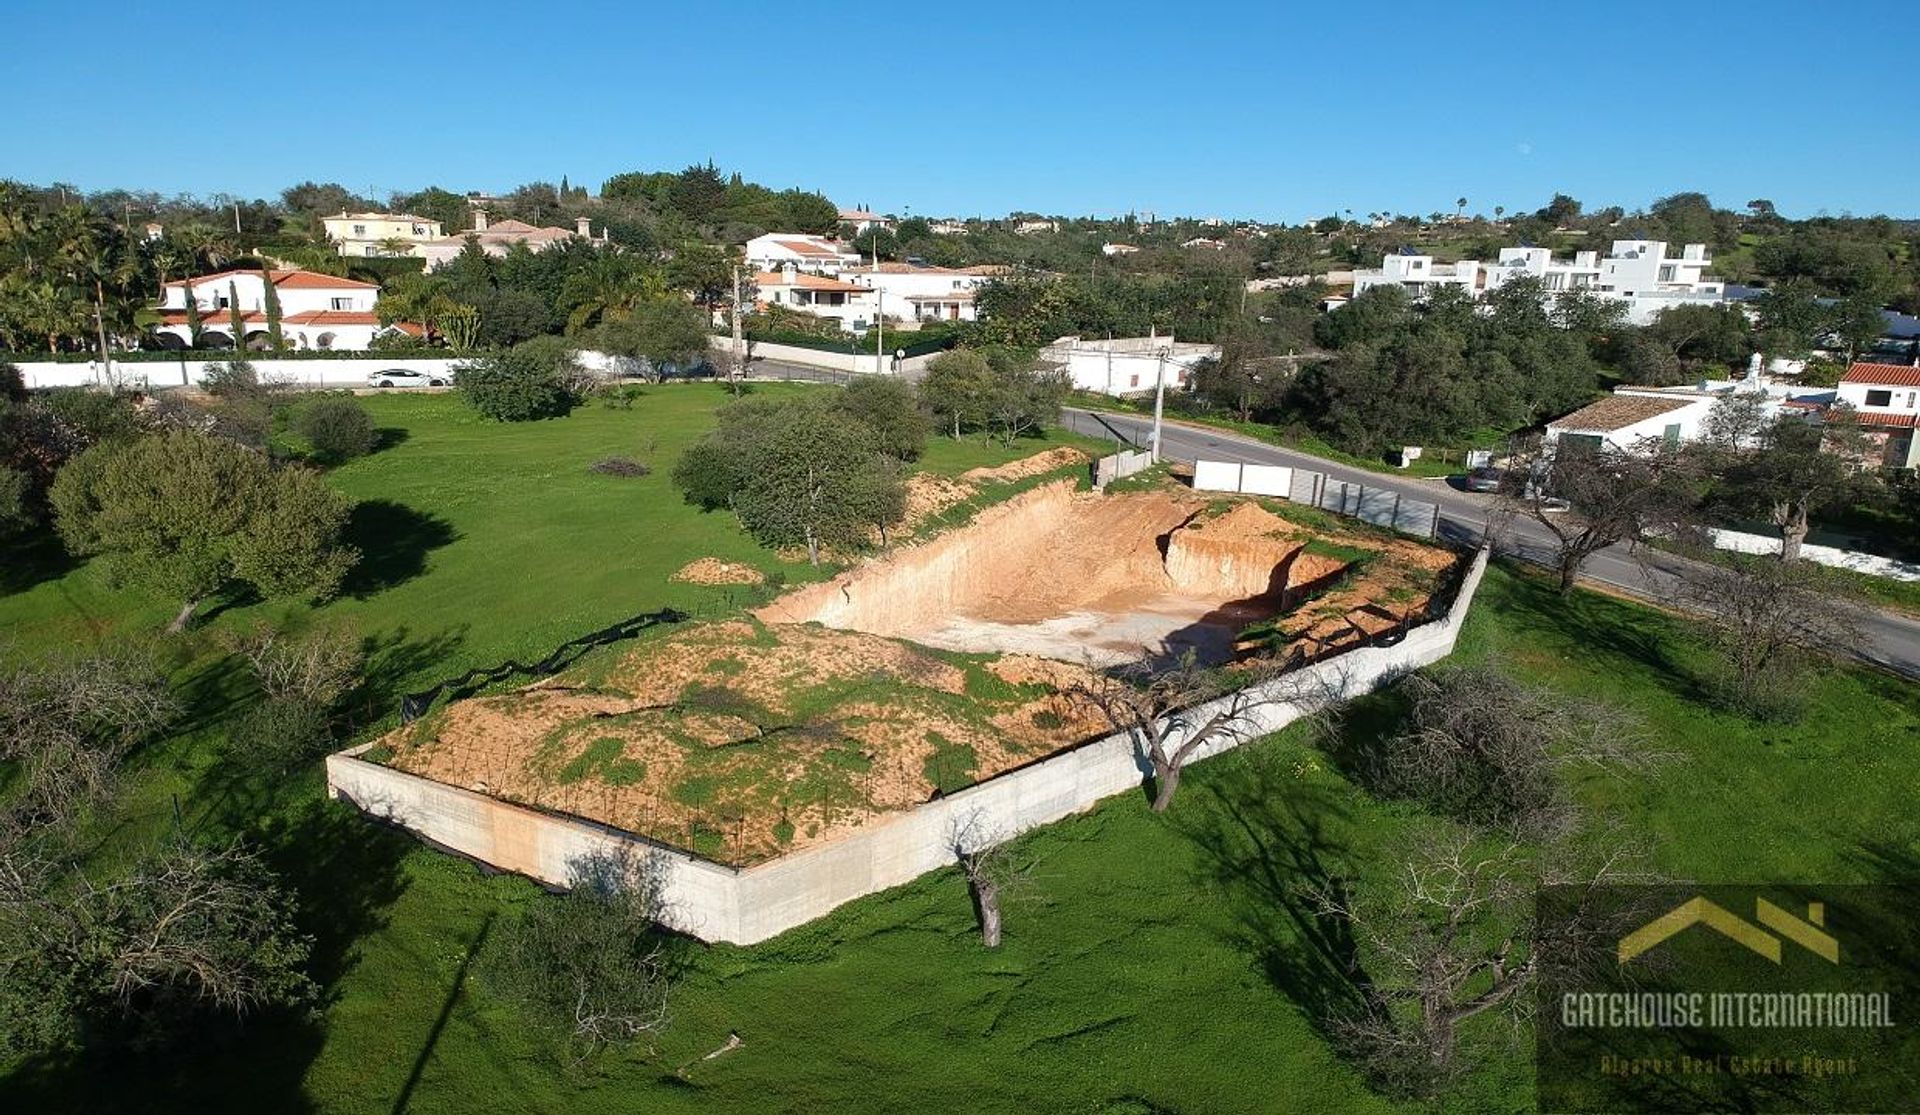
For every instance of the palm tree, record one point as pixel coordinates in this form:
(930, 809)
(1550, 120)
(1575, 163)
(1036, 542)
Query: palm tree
(1459, 208)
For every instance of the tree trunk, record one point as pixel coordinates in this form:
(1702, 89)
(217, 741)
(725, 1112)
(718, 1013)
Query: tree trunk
(1569, 572)
(986, 895)
(813, 548)
(180, 621)
(1793, 532)
(1166, 781)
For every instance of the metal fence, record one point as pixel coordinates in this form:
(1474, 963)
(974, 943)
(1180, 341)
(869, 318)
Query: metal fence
(1383, 507)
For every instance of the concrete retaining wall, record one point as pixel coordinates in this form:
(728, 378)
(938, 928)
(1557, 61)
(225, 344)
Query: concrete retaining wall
(1113, 466)
(749, 905)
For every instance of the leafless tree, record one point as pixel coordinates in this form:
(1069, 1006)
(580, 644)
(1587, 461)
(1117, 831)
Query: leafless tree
(318, 668)
(1171, 713)
(1487, 749)
(1769, 620)
(1590, 498)
(992, 871)
(1452, 936)
(68, 726)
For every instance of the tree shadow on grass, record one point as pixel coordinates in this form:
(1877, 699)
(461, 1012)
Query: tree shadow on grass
(1590, 625)
(389, 437)
(1267, 841)
(32, 560)
(393, 540)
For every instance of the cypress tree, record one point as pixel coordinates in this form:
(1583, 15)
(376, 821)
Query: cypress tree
(234, 318)
(196, 325)
(274, 337)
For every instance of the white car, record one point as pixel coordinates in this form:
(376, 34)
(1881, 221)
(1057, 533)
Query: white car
(401, 377)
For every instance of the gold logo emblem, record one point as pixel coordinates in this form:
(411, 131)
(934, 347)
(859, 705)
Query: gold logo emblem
(1807, 934)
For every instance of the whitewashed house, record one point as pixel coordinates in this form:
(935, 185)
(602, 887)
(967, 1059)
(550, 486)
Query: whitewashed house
(1884, 400)
(1126, 365)
(316, 311)
(1116, 249)
(850, 304)
(1672, 416)
(1638, 273)
(821, 255)
(497, 238)
(914, 292)
(379, 234)
(862, 220)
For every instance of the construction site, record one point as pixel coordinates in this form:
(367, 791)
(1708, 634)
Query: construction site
(920, 672)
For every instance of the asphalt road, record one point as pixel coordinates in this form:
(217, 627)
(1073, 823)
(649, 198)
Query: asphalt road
(1892, 640)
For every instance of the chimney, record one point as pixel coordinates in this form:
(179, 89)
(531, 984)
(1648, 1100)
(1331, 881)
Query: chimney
(479, 218)
(584, 227)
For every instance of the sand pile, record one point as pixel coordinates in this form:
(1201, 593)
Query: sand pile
(1028, 466)
(713, 571)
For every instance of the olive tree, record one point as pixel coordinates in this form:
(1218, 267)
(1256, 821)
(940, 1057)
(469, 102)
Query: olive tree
(189, 516)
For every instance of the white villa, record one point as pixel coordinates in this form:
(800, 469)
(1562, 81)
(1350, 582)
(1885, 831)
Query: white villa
(914, 292)
(1637, 272)
(862, 220)
(851, 304)
(377, 234)
(316, 311)
(820, 254)
(1114, 249)
(1126, 365)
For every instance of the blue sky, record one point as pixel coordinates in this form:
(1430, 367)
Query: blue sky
(1277, 111)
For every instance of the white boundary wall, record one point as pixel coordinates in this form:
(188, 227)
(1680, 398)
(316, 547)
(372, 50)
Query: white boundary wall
(1231, 476)
(1871, 564)
(748, 905)
(162, 374)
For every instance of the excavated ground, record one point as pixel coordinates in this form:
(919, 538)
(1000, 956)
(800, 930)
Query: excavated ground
(1103, 580)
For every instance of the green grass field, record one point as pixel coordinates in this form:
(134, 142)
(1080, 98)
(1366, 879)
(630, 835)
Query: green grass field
(1159, 966)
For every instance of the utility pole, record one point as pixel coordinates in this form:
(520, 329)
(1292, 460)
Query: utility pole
(1159, 398)
(879, 314)
(739, 369)
(236, 218)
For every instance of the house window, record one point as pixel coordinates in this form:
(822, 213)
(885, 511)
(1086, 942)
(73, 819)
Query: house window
(220, 302)
(342, 303)
(1879, 398)
(359, 230)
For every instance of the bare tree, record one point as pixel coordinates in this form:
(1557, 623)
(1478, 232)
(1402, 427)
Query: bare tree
(991, 870)
(68, 726)
(318, 668)
(1489, 750)
(1769, 620)
(1590, 498)
(1171, 713)
(1453, 936)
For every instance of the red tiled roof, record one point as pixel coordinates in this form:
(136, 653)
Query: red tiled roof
(292, 280)
(1892, 375)
(1617, 412)
(1881, 421)
(807, 248)
(333, 317)
(804, 281)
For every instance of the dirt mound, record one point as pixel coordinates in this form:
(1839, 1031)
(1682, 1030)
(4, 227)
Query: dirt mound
(713, 571)
(742, 742)
(1028, 466)
(928, 494)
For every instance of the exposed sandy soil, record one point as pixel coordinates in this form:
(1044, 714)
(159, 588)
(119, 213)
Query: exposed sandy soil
(713, 571)
(743, 742)
(1028, 466)
(929, 493)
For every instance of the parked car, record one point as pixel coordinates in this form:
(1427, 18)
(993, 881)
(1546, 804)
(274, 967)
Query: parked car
(1485, 479)
(403, 377)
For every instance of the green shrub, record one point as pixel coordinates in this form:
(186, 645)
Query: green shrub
(339, 429)
(279, 733)
(517, 385)
(233, 380)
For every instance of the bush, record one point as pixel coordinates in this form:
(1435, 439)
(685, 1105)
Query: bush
(279, 733)
(619, 466)
(517, 385)
(337, 428)
(234, 380)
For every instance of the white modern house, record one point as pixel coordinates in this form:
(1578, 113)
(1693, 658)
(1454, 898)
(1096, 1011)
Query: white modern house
(379, 234)
(497, 238)
(862, 220)
(850, 304)
(316, 311)
(1126, 365)
(914, 292)
(1116, 249)
(1885, 401)
(1639, 273)
(820, 254)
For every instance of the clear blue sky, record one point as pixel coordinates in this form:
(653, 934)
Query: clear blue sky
(1267, 110)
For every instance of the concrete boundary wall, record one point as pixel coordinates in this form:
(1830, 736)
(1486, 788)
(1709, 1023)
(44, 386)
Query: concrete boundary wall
(1255, 480)
(1114, 466)
(159, 375)
(1873, 565)
(748, 905)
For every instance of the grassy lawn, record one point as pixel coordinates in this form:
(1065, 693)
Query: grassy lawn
(1161, 964)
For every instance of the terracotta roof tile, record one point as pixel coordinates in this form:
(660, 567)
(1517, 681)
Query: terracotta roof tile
(1617, 412)
(1892, 375)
